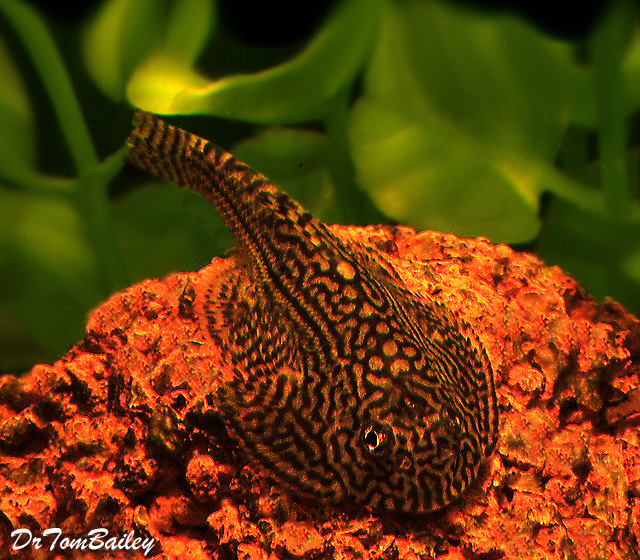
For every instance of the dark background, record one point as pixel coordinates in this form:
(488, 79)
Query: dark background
(276, 24)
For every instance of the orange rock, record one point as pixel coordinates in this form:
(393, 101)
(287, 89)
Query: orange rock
(298, 539)
(120, 432)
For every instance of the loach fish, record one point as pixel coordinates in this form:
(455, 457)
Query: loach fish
(348, 388)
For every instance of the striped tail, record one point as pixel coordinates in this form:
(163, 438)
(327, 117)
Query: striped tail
(249, 204)
(173, 153)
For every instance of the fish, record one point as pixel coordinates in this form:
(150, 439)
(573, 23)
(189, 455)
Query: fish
(348, 387)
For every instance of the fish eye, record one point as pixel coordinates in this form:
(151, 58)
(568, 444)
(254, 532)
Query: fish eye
(377, 438)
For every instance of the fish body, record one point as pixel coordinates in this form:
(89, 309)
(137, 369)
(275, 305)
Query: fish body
(349, 387)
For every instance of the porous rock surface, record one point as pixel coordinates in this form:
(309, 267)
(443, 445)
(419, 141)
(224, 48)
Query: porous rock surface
(119, 433)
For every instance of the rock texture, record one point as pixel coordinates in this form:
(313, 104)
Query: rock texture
(120, 434)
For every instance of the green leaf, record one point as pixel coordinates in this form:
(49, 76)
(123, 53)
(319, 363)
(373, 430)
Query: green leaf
(162, 228)
(419, 178)
(631, 64)
(120, 36)
(631, 265)
(190, 24)
(47, 268)
(297, 161)
(295, 91)
(42, 50)
(457, 130)
(18, 349)
(17, 147)
(602, 253)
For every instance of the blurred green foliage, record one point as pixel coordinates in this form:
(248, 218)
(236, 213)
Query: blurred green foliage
(427, 113)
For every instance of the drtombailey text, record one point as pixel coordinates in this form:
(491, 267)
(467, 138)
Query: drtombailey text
(96, 539)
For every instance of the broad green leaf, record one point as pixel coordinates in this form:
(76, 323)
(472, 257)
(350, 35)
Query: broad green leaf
(297, 161)
(603, 254)
(163, 228)
(43, 53)
(295, 91)
(190, 24)
(491, 75)
(17, 148)
(631, 264)
(47, 269)
(120, 36)
(18, 349)
(461, 121)
(631, 63)
(583, 102)
(452, 186)
(187, 29)
(631, 71)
